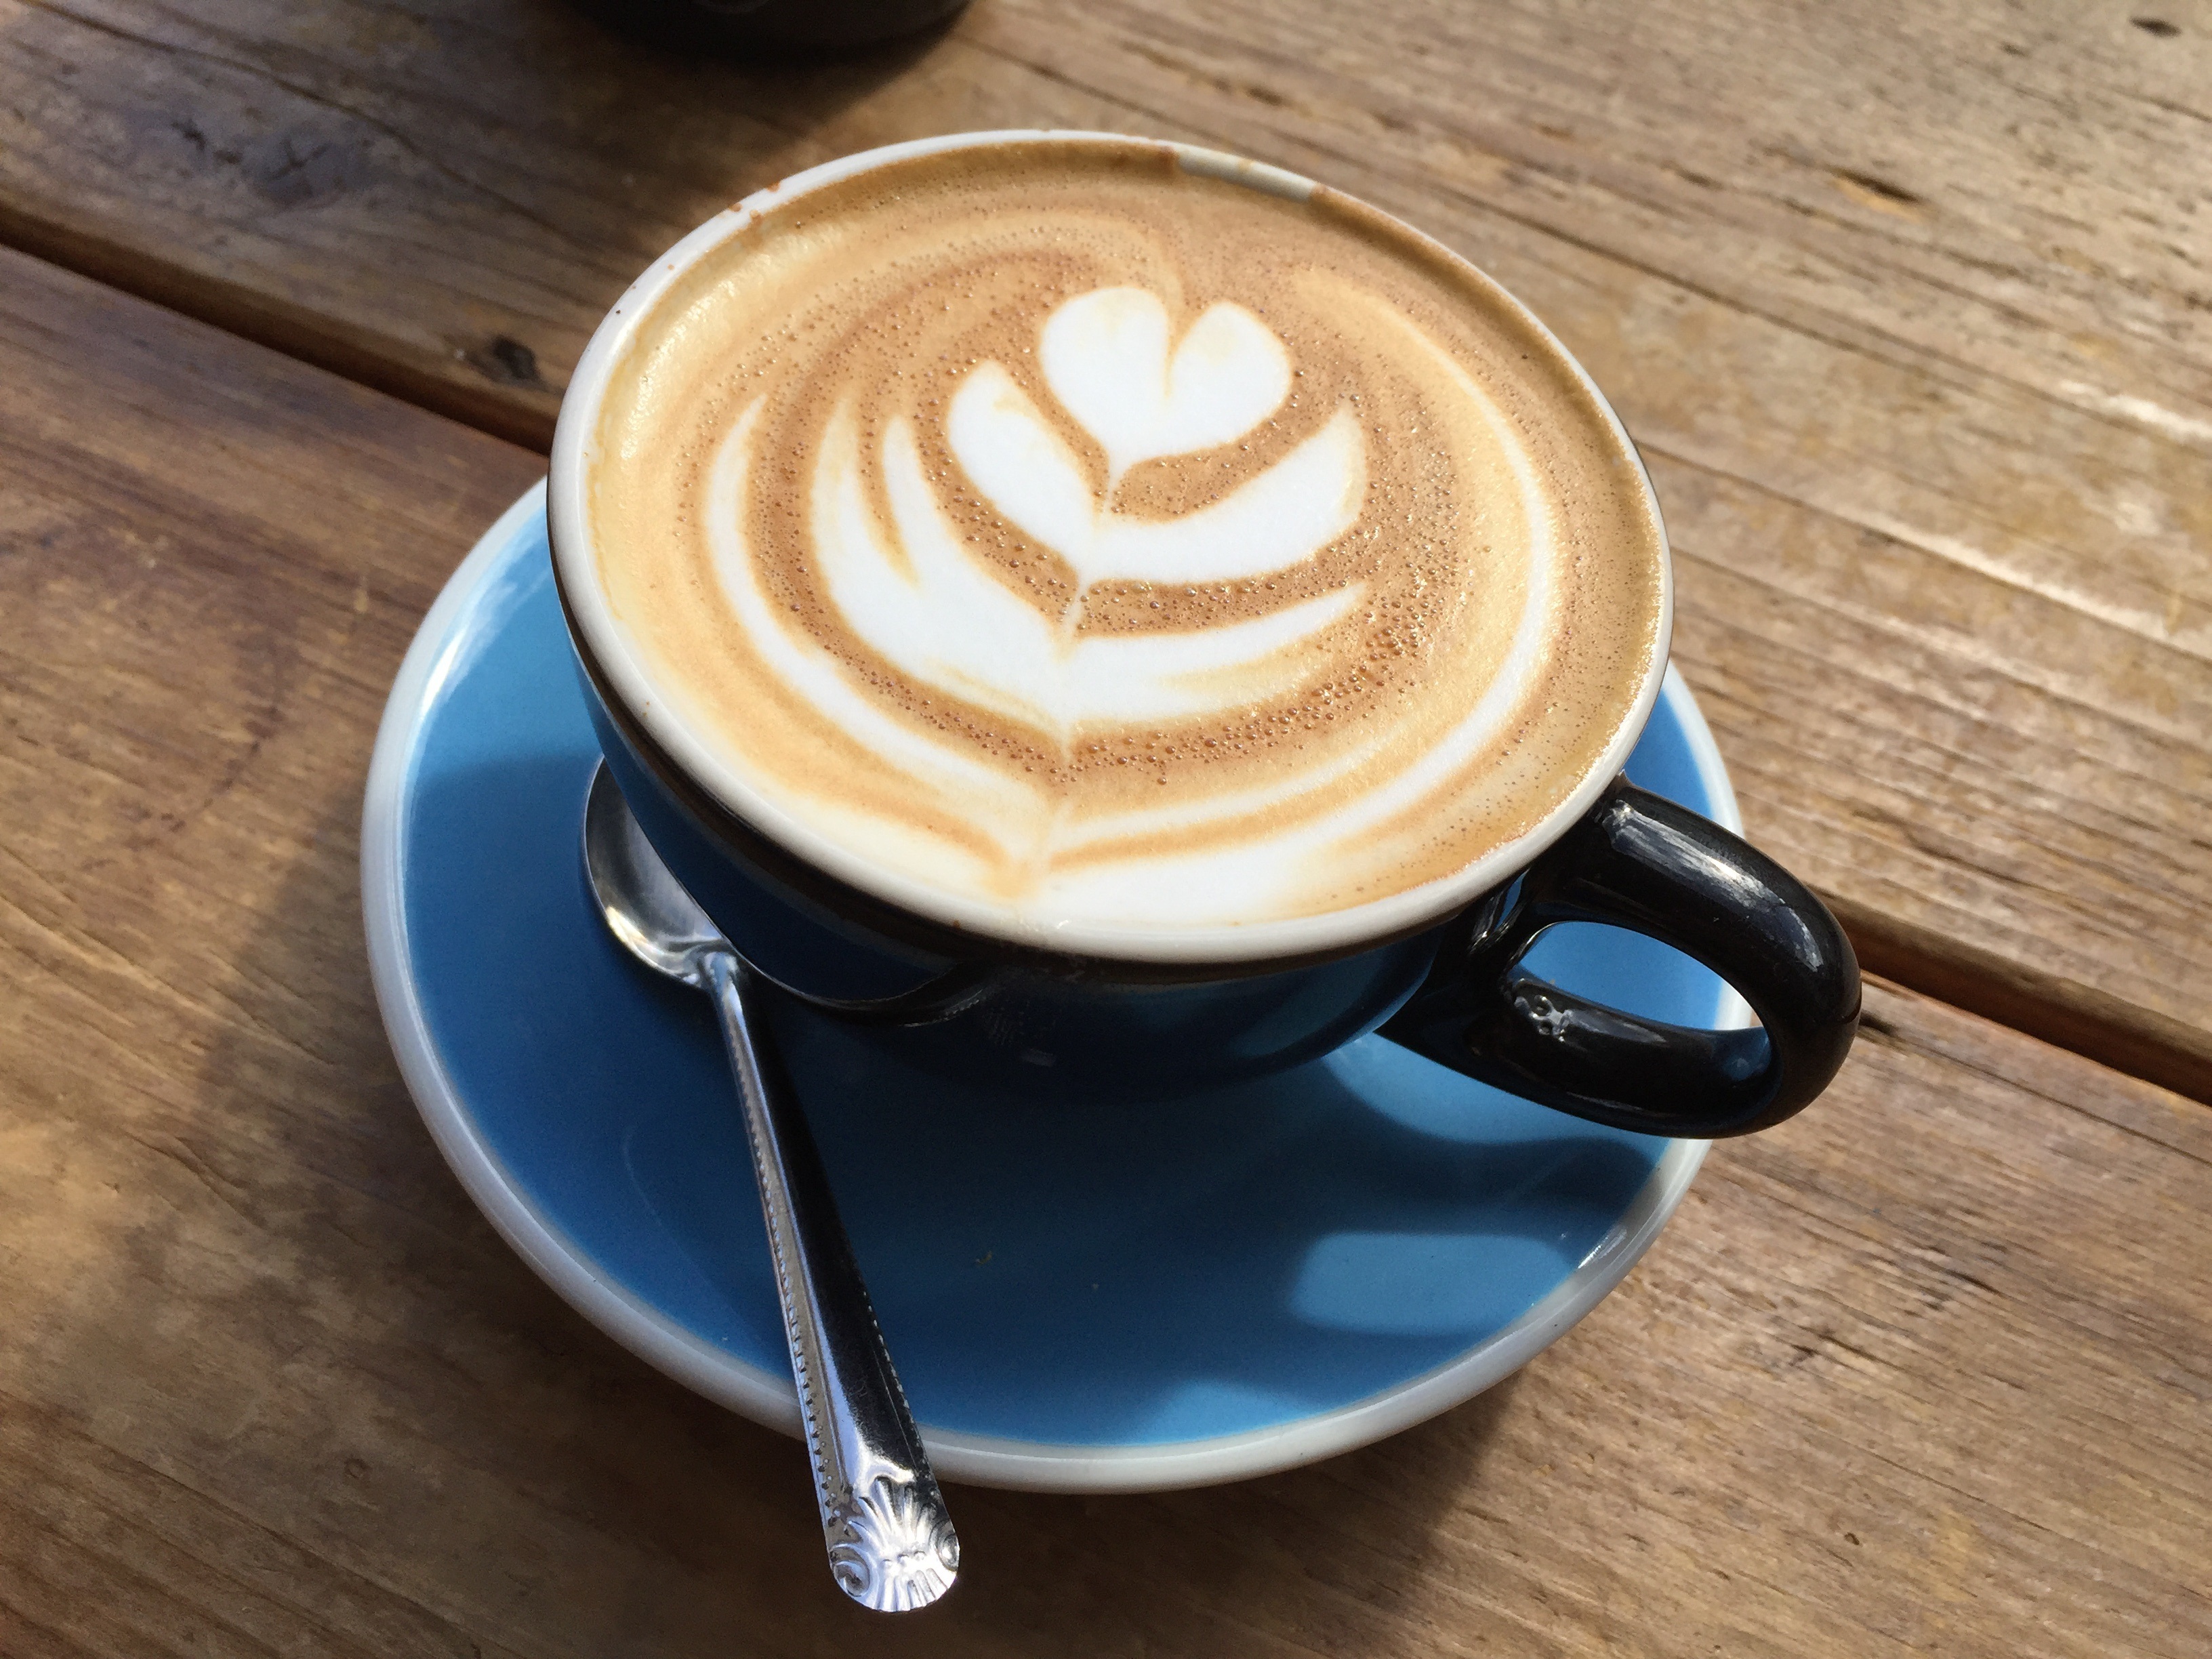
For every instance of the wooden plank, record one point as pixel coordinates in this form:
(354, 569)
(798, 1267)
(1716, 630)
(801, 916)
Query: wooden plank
(1904, 305)
(1929, 1369)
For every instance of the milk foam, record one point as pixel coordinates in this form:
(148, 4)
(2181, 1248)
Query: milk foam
(1105, 545)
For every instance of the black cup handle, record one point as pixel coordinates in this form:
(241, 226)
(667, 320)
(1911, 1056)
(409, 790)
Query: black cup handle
(1638, 860)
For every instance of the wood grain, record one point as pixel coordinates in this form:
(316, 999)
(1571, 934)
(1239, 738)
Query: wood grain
(1928, 1369)
(1906, 306)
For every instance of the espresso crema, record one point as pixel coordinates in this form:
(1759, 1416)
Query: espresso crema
(1102, 542)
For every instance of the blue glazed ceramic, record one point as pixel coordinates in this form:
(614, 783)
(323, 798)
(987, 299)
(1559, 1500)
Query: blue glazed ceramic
(1125, 1295)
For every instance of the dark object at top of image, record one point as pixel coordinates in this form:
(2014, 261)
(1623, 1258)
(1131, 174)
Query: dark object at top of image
(756, 28)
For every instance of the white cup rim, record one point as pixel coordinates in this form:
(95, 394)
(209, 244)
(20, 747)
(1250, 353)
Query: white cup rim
(627, 678)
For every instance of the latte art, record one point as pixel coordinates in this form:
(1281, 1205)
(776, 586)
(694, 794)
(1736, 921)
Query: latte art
(911, 591)
(1099, 544)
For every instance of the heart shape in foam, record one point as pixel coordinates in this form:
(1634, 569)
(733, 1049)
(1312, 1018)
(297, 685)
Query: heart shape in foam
(1106, 356)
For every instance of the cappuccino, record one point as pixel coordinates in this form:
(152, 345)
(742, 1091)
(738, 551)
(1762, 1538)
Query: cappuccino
(1084, 535)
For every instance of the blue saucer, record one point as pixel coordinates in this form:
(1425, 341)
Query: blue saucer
(1161, 1295)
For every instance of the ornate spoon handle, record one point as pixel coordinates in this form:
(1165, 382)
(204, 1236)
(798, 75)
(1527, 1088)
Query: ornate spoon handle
(891, 1545)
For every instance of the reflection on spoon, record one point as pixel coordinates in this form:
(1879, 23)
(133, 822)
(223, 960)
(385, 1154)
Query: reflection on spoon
(891, 1545)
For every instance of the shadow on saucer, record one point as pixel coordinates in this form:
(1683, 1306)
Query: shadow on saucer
(1155, 1271)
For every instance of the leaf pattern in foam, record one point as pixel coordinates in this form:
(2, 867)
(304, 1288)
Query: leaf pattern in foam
(941, 618)
(1025, 470)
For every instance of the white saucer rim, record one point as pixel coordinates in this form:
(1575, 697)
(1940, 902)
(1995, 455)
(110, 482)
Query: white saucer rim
(753, 1392)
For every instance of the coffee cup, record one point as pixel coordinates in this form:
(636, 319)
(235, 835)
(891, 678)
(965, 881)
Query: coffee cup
(1109, 618)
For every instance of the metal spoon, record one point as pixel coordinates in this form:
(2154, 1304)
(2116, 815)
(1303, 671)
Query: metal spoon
(891, 1545)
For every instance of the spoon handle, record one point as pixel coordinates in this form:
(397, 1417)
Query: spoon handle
(891, 1545)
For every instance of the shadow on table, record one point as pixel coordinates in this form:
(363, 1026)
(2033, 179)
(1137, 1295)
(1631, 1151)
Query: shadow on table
(430, 1413)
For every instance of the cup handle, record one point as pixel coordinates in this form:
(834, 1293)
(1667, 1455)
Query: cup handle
(1638, 860)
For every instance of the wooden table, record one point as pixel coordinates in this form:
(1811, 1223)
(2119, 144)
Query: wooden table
(1906, 307)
